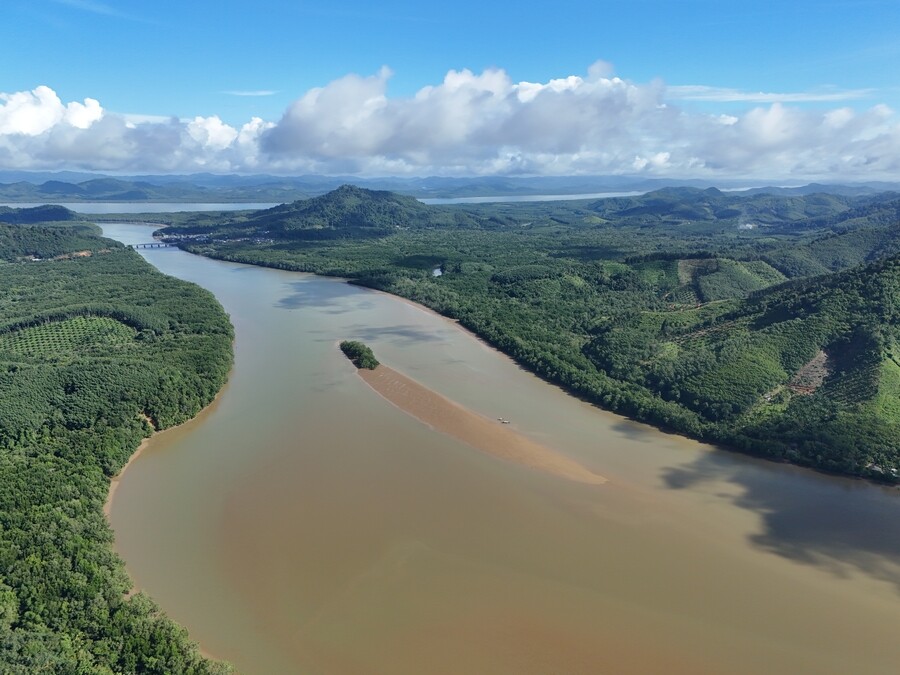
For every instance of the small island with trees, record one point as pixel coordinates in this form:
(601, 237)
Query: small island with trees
(695, 310)
(360, 354)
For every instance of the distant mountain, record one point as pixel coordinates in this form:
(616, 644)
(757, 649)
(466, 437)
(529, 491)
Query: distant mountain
(812, 188)
(25, 186)
(681, 204)
(57, 187)
(35, 177)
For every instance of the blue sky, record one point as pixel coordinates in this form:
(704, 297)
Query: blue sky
(778, 69)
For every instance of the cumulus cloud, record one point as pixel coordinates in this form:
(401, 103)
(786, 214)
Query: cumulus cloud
(32, 113)
(211, 132)
(469, 123)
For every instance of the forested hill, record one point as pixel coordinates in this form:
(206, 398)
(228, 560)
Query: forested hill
(711, 204)
(356, 208)
(97, 349)
(19, 242)
(744, 319)
(345, 213)
(807, 371)
(36, 214)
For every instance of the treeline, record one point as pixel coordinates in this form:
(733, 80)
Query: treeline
(95, 353)
(690, 326)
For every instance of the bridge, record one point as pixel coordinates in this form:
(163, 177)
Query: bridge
(155, 244)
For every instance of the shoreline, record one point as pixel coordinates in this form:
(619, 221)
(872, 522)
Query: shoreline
(492, 437)
(114, 480)
(714, 442)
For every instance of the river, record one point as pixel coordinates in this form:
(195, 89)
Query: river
(303, 524)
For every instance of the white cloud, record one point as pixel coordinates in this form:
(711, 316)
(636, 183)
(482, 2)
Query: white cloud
(470, 123)
(32, 113)
(211, 132)
(83, 115)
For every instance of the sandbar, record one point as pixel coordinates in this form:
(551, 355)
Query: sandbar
(487, 435)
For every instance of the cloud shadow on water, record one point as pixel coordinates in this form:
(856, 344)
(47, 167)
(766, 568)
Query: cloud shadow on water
(636, 431)
(837, 524)
(331, 298)
(400, 334)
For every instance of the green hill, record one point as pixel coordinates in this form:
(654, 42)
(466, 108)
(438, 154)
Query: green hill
(665, 307)
(35, 241)
(349, 212)
(710, 205)
(36, 214)
(806, 371)
(354, 211)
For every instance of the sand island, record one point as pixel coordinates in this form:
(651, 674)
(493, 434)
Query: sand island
(494, 437)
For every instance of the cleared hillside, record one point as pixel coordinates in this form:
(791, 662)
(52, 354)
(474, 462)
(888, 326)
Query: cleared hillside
(710, 329)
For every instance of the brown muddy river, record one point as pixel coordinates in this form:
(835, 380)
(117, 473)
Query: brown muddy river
(303, 524)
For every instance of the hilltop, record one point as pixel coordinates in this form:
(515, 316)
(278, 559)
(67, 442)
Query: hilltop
(777, 338)
(354, 211)
(349, 212)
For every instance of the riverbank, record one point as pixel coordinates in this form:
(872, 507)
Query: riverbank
(114, 481)
(493, 437)
(311, 527)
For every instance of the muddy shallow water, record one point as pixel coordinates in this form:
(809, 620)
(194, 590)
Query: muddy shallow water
(304, 524)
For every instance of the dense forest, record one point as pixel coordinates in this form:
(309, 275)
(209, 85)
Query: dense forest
(766, 322)
(97, 350)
